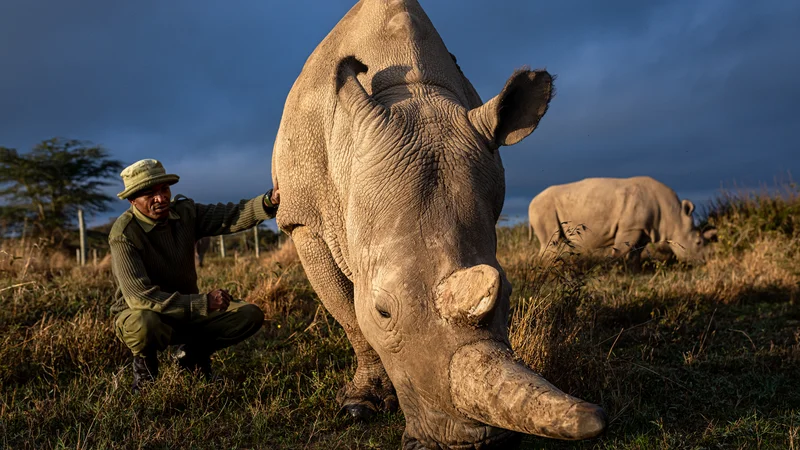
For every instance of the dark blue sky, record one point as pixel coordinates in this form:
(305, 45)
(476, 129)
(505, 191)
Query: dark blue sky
(696, 93)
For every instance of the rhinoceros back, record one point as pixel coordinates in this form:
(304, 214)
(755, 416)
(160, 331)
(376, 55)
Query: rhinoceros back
(603, 206)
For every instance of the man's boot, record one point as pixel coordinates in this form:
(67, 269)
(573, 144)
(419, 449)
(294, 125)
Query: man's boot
(195, 360)
(145, 370)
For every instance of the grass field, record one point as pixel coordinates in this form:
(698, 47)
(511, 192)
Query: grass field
(681, 357)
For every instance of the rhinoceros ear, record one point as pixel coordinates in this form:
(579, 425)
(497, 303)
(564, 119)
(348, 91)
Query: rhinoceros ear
(469, 295)
(687, 207)
(514, 113)
(710, 235)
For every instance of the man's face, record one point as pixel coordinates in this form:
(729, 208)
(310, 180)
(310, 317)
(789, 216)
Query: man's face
(153, 202)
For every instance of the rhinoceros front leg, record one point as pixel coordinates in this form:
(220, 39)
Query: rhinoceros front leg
(370, 389)
(629, 244)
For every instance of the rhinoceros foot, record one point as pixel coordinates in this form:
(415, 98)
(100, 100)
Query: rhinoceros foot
(361, 403)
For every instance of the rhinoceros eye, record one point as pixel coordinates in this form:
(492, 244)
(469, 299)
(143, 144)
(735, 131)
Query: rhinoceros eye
(385, 314)
(384, 303)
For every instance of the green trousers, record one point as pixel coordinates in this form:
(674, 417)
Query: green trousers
(146, 332)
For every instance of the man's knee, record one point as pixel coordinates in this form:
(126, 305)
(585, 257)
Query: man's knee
(252, 315)
(142, 331)
(245, 321)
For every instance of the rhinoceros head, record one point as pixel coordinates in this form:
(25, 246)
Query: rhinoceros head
(427, 187)
(688, 242)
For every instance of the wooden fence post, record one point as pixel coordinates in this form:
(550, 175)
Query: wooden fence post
(255, 235)
(82, 230)
(222, 245)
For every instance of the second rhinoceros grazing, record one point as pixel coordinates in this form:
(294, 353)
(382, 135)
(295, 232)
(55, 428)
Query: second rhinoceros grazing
(622, 214)
(391, 185)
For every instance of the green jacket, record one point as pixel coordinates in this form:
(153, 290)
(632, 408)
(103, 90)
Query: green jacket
(153, 263)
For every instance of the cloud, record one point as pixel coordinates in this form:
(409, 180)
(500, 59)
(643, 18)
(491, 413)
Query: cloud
(692, 93)
(704, 95)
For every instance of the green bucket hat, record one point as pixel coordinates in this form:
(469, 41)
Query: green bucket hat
(144, 174)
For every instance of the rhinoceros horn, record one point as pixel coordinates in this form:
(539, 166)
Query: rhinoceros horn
(487, 385)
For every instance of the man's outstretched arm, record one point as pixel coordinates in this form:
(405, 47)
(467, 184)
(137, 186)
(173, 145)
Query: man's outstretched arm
(213, 220)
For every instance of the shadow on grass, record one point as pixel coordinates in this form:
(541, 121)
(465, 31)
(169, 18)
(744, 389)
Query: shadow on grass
(681, 371)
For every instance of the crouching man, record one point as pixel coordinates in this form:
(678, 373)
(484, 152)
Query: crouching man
(157, 300)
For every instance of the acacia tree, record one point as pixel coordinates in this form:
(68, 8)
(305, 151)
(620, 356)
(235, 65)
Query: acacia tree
(47, 185)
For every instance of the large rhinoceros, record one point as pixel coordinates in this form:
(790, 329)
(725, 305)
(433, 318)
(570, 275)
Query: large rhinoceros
(622, 214)
(391, 185)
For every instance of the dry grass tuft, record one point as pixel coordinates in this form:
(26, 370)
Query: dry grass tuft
(285, 255)
(768, 266)
(19, 258)
(54, 345)
(274, 295)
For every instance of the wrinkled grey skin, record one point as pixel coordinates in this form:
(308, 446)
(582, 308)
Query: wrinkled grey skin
(622, 214)
(391, 185)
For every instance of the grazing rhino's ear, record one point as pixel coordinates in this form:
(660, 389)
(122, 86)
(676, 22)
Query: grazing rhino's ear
(514, 113)
(469, 295)
(687, 207)
(710, 235)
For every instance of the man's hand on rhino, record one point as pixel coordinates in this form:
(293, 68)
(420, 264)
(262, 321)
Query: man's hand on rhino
(276, 197)
(272, 198)
(219, 300)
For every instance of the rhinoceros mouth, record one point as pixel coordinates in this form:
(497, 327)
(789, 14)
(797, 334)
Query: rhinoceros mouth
(499, 439)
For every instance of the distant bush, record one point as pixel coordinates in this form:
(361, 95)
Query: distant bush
(743, 217)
